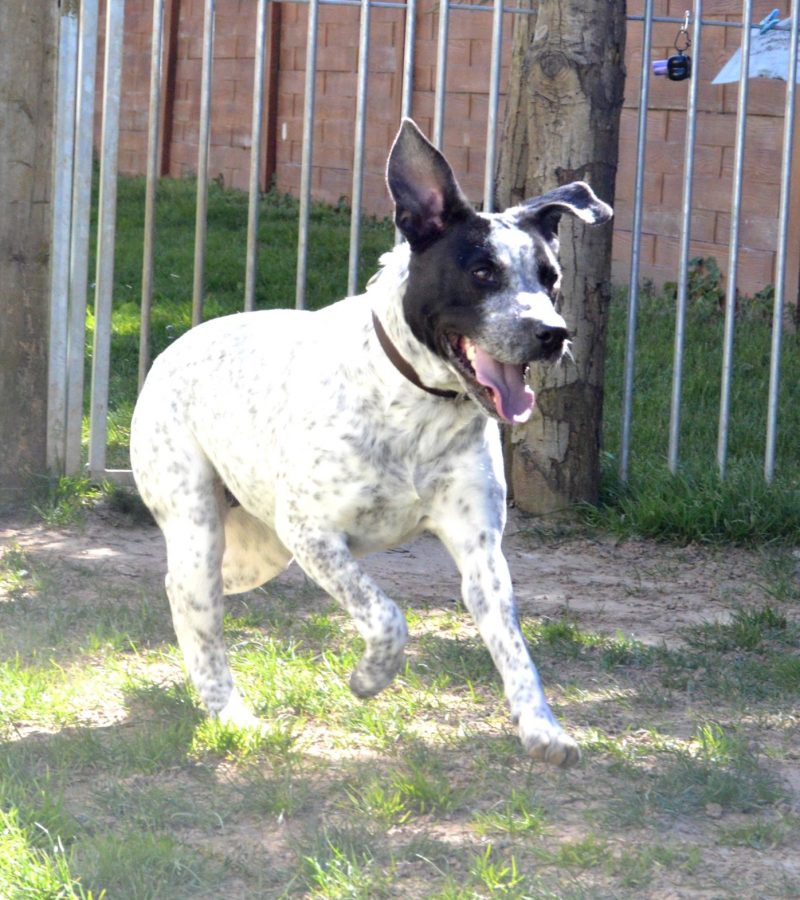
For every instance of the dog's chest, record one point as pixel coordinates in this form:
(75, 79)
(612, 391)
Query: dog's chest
(376, 485)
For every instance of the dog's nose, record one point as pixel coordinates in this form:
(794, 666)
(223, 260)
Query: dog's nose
(551, 337)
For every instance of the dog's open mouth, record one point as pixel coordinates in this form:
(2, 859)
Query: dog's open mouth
(500, 387)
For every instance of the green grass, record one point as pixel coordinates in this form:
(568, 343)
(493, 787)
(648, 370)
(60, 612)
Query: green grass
(515, 815)
(111, 779)
(29, 869)
(695, 504)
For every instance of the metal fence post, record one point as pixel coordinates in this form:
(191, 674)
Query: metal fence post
(151, 183)
(636, 238)
(685, 238)
(733, 242)
(308, 146)
(780, 262)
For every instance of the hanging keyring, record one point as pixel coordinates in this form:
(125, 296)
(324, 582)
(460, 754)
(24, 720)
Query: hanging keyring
(682, 39)
(679, 66)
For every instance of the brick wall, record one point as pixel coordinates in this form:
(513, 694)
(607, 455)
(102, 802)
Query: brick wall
(465, 119)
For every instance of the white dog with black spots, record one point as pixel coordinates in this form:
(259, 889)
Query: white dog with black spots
(318, 437)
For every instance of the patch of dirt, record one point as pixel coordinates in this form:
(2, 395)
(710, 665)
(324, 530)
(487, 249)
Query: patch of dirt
(642, 589)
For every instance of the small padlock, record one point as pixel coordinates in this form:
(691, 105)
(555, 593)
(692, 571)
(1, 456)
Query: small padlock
(679, 67)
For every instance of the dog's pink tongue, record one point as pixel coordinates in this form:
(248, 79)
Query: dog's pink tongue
(513, 399)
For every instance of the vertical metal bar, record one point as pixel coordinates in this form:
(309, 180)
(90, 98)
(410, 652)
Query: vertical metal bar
(203, 140)
(441, 73)
(255, 156)
(685, 238)
(636, 238)
(153, 143)
(494, 99)
(780, 261)
(63, 141)
(81, 226)
(733, 243)
(406, 101)
(308, 147)
(106, 226)
(358, 154)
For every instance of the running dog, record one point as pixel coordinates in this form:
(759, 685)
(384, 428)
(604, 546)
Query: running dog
(352, 429)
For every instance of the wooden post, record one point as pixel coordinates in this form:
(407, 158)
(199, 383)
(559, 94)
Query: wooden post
(271, 95)
(562, 124)
(27, 79)
(172, 21)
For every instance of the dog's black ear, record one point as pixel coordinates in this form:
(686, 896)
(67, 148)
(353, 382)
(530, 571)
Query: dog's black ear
(543, 213)
(426, 195)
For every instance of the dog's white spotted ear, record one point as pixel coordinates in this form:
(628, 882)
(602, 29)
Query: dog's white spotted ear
(426, 195)
(578, 199)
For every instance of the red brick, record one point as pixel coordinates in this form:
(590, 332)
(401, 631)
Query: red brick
(470, 24)
(225, 46)
(336, 58)
(338, 133)
(343, 31)
(761, 165)
(622, 245)
(293, 35)
(384, 59)
(755, 232)
(387, 29)
(334, 184)
(467, 78)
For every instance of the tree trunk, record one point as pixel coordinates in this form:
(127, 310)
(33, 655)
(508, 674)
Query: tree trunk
(562, 124)
(27, 70)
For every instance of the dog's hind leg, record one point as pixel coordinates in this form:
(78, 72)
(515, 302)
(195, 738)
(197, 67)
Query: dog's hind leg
(195, 546)
(253, 554)
(178, 484)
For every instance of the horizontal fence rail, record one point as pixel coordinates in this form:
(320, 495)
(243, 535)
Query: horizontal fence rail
(72, 191)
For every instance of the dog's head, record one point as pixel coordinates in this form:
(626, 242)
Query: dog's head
(481, 286)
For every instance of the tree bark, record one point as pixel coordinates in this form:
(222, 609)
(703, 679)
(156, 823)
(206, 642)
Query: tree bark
(566, 87)
(27, 78)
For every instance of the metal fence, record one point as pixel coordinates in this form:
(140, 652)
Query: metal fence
(72, 193)
(685, 238)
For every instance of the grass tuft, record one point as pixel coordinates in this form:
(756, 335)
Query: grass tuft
(34, 865)
(229, 742)
(515, 816)
(718, 770)
(342, 862)
(63, 501)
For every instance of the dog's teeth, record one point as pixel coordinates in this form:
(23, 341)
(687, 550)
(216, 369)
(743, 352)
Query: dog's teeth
(469, 349)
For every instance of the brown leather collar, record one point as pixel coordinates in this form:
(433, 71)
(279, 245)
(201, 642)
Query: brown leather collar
(402, 365)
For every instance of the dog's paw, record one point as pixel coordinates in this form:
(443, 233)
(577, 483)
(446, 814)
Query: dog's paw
(544, 739)
(236, 713)
(372, 675)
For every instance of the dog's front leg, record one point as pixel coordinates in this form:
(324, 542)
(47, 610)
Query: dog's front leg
(326, 558)
(487, 594)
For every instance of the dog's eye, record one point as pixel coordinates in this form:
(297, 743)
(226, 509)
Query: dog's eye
(484, 275)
